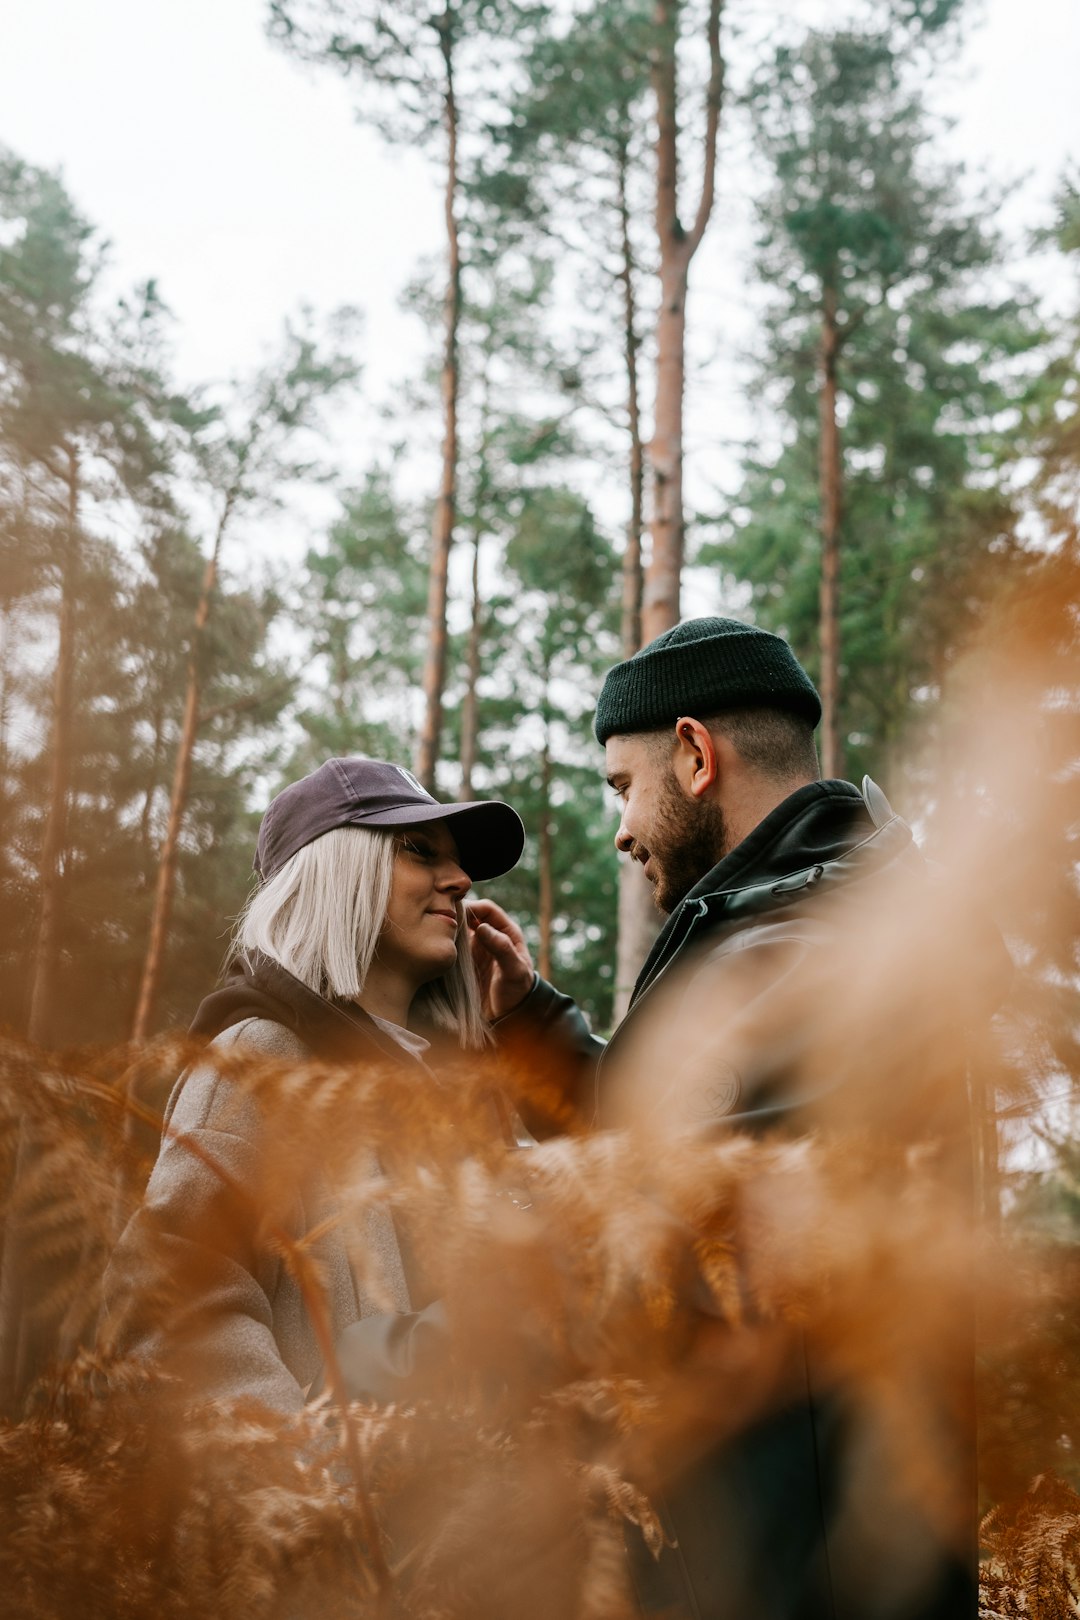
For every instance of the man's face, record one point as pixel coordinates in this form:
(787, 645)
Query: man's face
(675, 835)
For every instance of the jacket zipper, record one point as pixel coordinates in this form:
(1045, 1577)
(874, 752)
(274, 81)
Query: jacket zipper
(702, 910)
(806, 879)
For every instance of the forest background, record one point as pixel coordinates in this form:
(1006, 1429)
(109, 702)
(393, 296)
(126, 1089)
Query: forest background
(371, 379)
(275, 486)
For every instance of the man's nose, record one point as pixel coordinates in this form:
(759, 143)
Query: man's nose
(623, 840)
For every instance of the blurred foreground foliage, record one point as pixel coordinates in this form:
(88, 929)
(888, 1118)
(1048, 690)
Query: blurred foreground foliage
(640, 1303)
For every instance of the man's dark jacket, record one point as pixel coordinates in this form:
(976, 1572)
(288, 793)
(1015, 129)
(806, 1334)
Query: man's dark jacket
(795, 1519)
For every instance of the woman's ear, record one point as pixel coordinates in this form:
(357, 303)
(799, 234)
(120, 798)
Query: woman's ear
(697, 765)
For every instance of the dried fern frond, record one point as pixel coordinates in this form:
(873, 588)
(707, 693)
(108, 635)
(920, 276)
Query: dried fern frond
(1034, 1547)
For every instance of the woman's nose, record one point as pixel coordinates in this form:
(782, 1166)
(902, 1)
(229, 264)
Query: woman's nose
(453, 879)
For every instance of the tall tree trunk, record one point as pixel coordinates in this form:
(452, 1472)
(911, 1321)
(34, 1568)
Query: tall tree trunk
(660, 603)
(638, 925)
(546, 888)
(52, 851)
(442, 534)
(6, 619)
(152, 784)
(830, 479)
(469, 716)
(631, 564)
(661, 595)
(165, 888)
(27, 1276)
(638, 917)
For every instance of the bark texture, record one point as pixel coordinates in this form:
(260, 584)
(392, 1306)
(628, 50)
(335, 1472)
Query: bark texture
(165, 886)
(677, 246)
(469, 715)
(651, 604)
(630, 629)
(830, 480)
(442, 535)
(546, 896)
(51, 872)
(638, 917)
(639, 924)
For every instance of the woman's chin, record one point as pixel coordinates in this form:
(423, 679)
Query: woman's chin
(437, 964)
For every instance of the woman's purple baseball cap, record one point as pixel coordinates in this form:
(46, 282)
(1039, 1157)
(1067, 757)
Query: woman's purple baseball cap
(372, 793)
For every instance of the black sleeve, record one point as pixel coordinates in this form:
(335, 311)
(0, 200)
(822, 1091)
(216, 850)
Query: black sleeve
(551, 1056)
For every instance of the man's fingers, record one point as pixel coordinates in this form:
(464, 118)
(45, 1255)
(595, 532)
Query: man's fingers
(487, 914)
(487, 911)
(497, 942)
(502, 957)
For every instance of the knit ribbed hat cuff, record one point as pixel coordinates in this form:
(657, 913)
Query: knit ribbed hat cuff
(704, 667)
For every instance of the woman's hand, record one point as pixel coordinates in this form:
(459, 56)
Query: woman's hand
(503, 964)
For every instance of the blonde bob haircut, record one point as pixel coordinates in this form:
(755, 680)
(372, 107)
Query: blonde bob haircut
(320, 918)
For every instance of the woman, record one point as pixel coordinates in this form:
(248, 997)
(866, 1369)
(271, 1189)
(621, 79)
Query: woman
(352, 946)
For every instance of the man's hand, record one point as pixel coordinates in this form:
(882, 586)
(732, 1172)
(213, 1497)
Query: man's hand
(503, 964)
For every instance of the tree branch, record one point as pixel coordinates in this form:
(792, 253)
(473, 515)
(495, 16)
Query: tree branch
(714, 99)
(850, 324)
(243, 705)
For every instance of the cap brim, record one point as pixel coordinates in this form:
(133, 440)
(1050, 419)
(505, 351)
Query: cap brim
(489, 835)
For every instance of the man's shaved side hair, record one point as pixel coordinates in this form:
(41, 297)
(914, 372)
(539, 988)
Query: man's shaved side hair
(774, 742)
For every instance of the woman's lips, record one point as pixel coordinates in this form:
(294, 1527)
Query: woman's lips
(447, 916)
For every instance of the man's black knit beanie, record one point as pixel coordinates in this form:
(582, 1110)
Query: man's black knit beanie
(701, 668)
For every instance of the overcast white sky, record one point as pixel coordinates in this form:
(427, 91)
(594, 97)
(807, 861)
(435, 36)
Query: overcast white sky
(243, 183)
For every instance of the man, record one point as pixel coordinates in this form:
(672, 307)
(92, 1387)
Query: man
(708, 735)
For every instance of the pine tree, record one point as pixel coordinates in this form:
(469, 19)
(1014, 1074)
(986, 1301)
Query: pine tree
(246, 455)
(881, 325)
(677, 244)
(508, 447)
(362, 609)
(1051, 426)
(78, 435)
(576, 173)
(245, 686)
(413, 65)
(551, 630)
(520, 456)
(128, 690)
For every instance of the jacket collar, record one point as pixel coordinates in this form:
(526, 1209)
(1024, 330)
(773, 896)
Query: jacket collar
(258, 987)
(816, 824)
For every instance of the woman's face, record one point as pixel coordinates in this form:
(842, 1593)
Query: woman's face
(420, 934)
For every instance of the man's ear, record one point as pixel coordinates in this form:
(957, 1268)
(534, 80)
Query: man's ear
(696, 762)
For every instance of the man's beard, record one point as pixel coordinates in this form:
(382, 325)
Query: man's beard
(688, 839)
